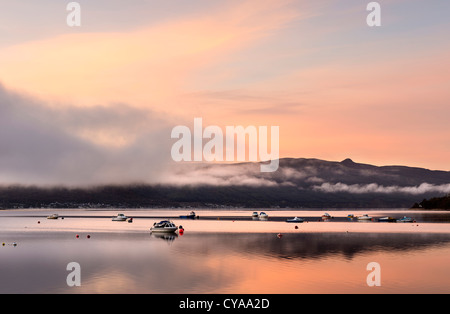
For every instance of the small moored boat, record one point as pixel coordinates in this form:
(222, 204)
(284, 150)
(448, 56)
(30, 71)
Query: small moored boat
(387, 219)
(53, 216)
(190, 216)
(263, 215)
(120, 217)
(164, 226)
(326, 216)
(364, 217)
(406, 219)
(296, 219)
(255, 214)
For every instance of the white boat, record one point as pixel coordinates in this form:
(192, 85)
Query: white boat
(164, 226)
(263, 215)
(364, 217)
(190, 216)
(296, 219)
(120, 217)
(53, 216)
(406, 219)
(255, 214)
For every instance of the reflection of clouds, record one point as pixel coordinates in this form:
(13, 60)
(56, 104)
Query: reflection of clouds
(194, 263)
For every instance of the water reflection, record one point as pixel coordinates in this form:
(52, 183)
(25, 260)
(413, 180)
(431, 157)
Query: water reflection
(311, 245)
(168, 237)
(218, 263)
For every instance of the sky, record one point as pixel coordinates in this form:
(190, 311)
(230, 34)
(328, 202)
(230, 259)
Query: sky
(97, 103)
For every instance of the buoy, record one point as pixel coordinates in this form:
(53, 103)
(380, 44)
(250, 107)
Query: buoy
(14, 244)
(181, 231)
(3, 244)
(39, 222)
(88, 236)
(77, 236)
(296, 227)
(279, 235)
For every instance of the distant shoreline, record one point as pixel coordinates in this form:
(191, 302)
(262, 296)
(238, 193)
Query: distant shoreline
(437, 203)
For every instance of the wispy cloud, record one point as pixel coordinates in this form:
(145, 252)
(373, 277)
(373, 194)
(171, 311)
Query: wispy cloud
(149, 66)
(41, 144)
(375, 188)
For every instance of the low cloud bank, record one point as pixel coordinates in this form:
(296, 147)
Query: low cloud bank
(375, 188)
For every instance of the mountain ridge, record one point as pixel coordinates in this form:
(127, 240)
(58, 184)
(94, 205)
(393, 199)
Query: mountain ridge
(298, 183)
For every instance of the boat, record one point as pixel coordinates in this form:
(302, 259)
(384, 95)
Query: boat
(53, 216)
(263, 215)
(406, 219)
(364, 217)
(190, 216)
(387, 219)
(255, 215)
(350, 216)
(120, 217)
(296, 219)
(326, 216)
(164, 226)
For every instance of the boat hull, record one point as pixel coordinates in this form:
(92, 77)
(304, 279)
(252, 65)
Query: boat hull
(295, 220)
(188, 217)
(387, 219)
(163, 230)
(406, 220)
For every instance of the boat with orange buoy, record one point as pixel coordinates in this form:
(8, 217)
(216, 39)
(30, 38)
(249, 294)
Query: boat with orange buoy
(164, 226)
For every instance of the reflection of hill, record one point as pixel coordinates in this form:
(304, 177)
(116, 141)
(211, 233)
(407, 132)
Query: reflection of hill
(310, 245)
(307, 183)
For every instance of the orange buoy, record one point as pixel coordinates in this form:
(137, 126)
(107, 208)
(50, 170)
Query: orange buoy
(77, 236)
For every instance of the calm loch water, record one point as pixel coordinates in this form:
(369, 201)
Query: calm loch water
(239, 257)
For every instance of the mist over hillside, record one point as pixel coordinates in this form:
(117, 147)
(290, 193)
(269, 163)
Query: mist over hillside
(298, 183)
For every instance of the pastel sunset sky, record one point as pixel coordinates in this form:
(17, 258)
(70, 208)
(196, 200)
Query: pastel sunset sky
(108, 93)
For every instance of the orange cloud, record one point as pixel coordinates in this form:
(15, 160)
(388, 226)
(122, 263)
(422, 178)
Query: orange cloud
(146, 67)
